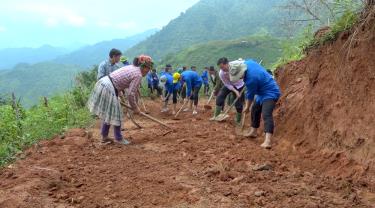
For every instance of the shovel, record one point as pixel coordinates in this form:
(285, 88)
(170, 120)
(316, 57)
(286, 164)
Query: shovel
(224, 115)
(179, 111)
(239, 130)
(207, 106)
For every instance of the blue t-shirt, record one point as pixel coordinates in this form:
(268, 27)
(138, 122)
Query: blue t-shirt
(260, 83)
(205, 77)
(169, 83)
(149, 78)
(177, 86)
(192, 80)
(155, 79)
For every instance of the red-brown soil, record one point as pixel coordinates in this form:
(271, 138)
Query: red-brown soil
(200, 164)
(323, 154)
(327, 110)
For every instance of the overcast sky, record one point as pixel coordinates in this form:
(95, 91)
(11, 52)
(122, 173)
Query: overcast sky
(32, 23)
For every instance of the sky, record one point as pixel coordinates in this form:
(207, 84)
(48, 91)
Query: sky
(73, 23)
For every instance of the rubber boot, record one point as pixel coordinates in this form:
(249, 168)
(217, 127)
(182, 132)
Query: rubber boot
(267, 141)
(238, 118)
(216, 112)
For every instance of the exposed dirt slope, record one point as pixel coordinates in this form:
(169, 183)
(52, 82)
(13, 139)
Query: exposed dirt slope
(328, 104)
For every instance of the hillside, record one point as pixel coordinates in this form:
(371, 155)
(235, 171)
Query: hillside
(258, 48)
(14, 56)
(327, 107)
(94, 54)
(30, 82)
(212, 20)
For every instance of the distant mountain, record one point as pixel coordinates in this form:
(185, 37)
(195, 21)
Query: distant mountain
(31, 82)
(213, 20)
(12, 56)
(260, 48)
(94, 54)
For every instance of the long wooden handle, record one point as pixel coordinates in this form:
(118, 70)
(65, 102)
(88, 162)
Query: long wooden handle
(209, 99)
(123, 101)
(178, 112)
(133, 121)
(147, 116)
(143, 104)
(234, 102)
(154, 119)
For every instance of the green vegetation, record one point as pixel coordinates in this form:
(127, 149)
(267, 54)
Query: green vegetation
(210, 20)
(22, 127)
(260, 47)
(349, 10)
(30, 82)
(346, 13)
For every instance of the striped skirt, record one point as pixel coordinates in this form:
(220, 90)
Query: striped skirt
(104, 103)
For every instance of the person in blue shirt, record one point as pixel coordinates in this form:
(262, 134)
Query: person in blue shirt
(172, 86)
(260, 84)
(155, 82)
(168, 69)
(183, 87)
(206, 85)
(149, 82)
(193, 84)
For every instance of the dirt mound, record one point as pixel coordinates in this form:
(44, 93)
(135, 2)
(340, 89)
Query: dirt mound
(328, 103)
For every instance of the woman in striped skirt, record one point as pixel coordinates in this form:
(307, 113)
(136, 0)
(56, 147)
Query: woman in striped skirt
(104, 101)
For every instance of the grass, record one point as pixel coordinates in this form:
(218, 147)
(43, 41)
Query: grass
(294, 50)
(39, 122)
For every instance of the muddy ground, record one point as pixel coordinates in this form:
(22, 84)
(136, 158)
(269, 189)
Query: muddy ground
(199, 164)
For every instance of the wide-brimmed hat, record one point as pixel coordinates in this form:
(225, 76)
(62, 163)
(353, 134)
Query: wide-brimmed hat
(237, 70)
(163, 79)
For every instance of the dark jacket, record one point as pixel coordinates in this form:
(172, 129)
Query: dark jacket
(217, 83)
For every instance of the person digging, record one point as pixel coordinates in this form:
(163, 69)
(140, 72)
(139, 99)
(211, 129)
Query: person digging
(193, 84)
(261, 84)
(172, 86)
(104, 101)
(234, 87)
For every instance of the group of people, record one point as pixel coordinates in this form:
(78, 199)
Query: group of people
(254, 88)
(180, 83)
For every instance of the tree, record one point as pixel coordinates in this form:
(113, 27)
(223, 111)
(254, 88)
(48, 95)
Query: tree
(317, 13)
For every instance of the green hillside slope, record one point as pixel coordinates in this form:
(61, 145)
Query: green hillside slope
(263, 48)
(212, 20)
(30, 82)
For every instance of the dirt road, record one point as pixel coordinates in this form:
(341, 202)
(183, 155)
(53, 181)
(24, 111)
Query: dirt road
(201, 164)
